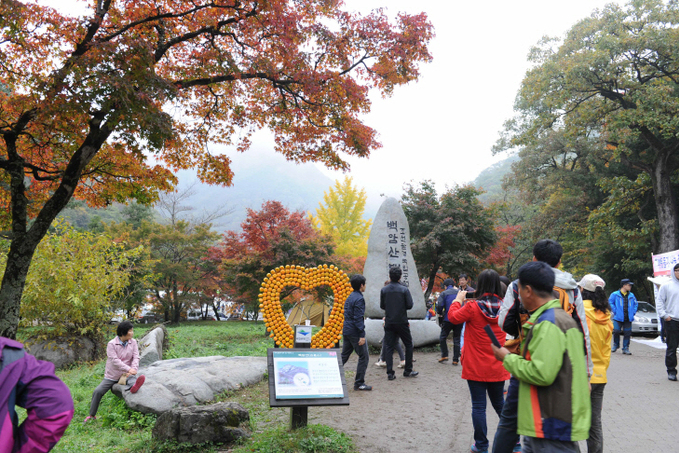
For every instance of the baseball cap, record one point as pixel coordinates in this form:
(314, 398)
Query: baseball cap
(591, 281)
(626, 281)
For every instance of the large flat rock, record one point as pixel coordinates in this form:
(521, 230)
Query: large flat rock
(190, 381)
(388, 246)
(423, 332)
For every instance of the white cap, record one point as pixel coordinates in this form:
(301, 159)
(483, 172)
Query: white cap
(591, 281)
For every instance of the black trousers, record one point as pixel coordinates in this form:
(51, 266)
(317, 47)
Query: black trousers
(446, 328)
(672, 339)
(350, 345)
(392, 332)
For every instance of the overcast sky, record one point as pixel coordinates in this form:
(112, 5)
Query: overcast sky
(444, 126)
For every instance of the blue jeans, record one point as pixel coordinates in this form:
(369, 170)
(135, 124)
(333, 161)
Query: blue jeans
(626, 328)
(506, 436)
(446, 328)
(478, 391)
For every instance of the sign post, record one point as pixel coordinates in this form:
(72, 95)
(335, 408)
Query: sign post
(299, 415)
(301, 377)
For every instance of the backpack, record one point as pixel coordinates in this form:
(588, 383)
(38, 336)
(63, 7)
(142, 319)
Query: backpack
(564, 300)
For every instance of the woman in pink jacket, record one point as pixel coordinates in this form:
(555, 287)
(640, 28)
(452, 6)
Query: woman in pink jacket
(483, 375)
(123, 360)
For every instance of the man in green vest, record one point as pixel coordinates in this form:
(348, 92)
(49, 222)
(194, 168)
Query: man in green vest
(554, 403)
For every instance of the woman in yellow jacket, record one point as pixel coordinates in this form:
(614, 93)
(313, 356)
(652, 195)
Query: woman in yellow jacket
(600, 333)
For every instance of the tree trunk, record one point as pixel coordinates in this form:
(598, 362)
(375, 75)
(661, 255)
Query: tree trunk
(666, 205)
(432, 282)
(18, 263)
(24, 241)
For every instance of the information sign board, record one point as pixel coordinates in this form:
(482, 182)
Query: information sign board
(310, 377)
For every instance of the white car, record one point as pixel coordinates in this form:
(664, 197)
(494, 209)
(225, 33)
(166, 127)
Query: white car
(645, 322)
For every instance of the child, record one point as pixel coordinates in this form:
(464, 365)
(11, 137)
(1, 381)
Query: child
(554, 403)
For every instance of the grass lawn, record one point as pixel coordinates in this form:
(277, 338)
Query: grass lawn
(119, 429)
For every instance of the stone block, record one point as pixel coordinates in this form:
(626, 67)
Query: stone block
(424, 332)
(151, 346)
(63, 351)
(221, 422)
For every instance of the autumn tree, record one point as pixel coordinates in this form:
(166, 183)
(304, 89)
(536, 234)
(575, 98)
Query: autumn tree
(341, 217)
(450, 232)
(86, 101)
(616, 74)
(270, 237)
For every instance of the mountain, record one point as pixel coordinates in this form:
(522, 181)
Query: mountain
(259, 175)
(490, 179)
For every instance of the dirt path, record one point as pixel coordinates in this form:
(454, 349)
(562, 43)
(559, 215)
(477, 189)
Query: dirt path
(430, 413)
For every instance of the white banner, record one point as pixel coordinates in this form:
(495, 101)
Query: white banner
(663, 263)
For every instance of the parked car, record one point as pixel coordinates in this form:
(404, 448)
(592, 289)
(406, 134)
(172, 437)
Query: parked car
(222, 317)
(193, 315)
(646, 320)
(117, 317)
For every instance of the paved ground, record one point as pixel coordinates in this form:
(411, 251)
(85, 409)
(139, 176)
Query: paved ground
(432, 413)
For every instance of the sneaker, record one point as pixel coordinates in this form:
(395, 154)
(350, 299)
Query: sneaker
(402, 364)
(89, 418)
(672, 375)
(443, 359)
(517, 448)
(381, 363)
(411, 374)
(478, 450)
(456, 362)
(138, 384)
(626, 352)
(365, 387)
(391, 377)
(614, 348)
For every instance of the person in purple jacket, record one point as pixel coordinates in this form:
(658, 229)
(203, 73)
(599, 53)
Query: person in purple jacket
(123, 360)
(30, 383)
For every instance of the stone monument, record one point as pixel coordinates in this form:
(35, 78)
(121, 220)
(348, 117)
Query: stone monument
(389, 246)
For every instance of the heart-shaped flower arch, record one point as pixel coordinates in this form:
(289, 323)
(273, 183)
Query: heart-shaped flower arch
(307, 279)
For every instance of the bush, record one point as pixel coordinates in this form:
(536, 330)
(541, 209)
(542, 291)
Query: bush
(73, 277)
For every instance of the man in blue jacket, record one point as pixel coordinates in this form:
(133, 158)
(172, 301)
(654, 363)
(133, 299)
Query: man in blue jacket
(353, 332)
(624, 307)
(445, 299)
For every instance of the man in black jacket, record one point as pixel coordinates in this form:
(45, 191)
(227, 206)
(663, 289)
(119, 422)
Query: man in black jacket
(395, 300)
(353, 332)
